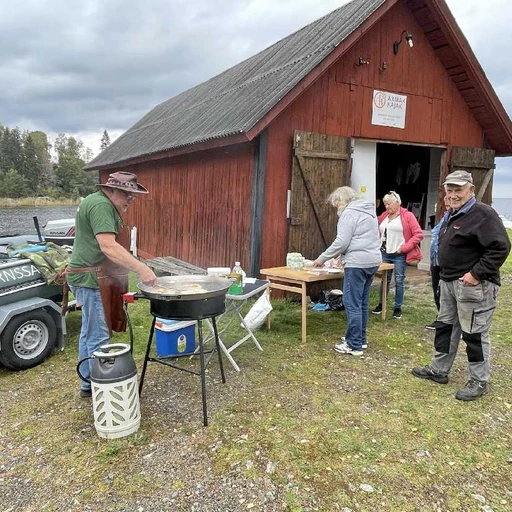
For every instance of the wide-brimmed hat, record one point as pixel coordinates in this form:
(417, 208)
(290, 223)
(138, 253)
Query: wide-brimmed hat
(459, 177)
(125, 181)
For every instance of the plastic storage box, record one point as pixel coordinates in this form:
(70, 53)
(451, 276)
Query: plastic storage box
(174, 338)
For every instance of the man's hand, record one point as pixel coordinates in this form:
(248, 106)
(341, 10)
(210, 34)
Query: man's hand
(147, 276)
(468, 279)
(318, 263)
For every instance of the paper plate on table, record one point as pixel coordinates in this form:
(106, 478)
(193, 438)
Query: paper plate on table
(334, 270)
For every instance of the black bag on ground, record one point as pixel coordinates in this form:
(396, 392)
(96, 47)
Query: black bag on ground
(333, 298)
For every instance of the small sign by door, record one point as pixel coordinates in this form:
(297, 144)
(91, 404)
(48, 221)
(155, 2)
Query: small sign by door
(388, 109)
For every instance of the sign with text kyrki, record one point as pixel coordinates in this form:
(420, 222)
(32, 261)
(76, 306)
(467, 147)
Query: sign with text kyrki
(388, 109)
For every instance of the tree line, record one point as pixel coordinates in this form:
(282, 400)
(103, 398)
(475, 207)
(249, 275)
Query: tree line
(27, 168)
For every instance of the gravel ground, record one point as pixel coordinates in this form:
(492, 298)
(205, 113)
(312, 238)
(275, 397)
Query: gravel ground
(178, 458)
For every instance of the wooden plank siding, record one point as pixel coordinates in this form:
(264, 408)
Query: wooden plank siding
(198, 208)
(340, 103)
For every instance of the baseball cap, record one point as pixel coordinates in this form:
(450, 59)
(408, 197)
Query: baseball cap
(459, 177)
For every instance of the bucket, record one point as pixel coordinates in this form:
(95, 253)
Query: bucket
(115, 395)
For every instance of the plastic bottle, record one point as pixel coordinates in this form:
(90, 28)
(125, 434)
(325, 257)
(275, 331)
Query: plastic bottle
(237, 287)
(240, 270)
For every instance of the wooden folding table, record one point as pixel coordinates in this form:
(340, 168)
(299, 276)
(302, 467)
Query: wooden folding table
(296, 281)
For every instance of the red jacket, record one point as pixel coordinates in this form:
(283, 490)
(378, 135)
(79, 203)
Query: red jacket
(413, 234)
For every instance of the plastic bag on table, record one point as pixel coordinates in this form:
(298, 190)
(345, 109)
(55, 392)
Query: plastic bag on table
(255, 318)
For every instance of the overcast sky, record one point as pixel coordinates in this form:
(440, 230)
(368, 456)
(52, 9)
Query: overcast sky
(82, 67)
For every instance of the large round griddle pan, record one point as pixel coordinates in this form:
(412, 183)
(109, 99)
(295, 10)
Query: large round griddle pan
(189, 287)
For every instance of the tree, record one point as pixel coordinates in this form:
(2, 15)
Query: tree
(69, 171)
(2, 130)
(44, 160)
(11, 150)
(105, 141)
(12, 184)
(30, 169)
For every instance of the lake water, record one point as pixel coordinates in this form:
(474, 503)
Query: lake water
(19, 220)
(503, 206)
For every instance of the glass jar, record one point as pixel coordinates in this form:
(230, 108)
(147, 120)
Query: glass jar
(294, 261)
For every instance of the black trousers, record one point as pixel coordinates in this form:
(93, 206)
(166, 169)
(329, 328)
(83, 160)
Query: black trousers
(435, 273)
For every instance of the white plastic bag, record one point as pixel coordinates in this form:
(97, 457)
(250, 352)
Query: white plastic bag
(255, 318)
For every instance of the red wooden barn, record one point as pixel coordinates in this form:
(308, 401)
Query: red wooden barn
(380, 95)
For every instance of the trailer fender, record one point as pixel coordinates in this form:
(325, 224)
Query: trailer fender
(8, 311)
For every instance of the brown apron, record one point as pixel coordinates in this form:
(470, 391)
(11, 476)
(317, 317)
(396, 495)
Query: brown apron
(113, 283)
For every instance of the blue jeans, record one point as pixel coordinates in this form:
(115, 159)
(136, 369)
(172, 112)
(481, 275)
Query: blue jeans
(94, 330)
(400, 266)
(356, 299)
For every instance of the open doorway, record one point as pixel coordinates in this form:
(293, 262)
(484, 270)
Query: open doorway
(406, 170)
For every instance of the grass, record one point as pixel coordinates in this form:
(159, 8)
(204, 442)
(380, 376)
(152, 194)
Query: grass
(324, 431)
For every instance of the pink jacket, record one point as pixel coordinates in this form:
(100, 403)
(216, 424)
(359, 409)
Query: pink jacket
(412, 233)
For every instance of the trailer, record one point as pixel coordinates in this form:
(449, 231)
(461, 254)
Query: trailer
(31, 324)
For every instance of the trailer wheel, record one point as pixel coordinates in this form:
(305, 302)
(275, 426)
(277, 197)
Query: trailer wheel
(27, 340)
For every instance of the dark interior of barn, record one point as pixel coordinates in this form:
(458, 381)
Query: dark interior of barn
(404, 169)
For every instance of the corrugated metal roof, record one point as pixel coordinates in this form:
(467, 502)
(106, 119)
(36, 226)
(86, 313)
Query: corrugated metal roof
(234, 101)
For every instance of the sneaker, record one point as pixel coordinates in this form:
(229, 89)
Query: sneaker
(344, 348)
(397, 313)
(427, 372)
(85, 393)
(431, 327)
(377, 310)
(343, 340)
(472, 390)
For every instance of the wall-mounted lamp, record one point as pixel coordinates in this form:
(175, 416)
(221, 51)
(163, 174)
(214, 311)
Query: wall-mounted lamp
(362, 62)
(408, 38)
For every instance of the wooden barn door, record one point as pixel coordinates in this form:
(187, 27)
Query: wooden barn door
(480, 163)
(321, 163)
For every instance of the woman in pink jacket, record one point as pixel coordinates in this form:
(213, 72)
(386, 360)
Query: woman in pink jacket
(400, 236)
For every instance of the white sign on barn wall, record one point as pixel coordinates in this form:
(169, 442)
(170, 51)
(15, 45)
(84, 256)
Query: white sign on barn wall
(389, 109)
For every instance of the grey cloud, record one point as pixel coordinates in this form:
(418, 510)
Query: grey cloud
(82, 67)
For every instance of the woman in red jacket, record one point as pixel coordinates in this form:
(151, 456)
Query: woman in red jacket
(400, 236)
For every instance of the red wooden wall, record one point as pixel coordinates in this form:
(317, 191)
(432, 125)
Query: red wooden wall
(340, 103)
(199, 204)
(198, 208)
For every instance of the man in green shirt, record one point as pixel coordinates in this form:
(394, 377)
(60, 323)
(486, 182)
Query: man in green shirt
(101, 251)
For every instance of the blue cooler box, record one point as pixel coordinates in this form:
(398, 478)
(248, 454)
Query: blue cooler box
(174, 338)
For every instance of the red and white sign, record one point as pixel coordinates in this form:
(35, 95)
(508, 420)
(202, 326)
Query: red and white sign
(388, 109)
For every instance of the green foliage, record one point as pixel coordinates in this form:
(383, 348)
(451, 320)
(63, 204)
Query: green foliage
(26, 167)
(30, 168)
(12, 184)
(69, 173)
(11, 150)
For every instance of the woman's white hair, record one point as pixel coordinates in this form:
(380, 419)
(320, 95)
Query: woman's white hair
(343, 196)
(392, 197)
